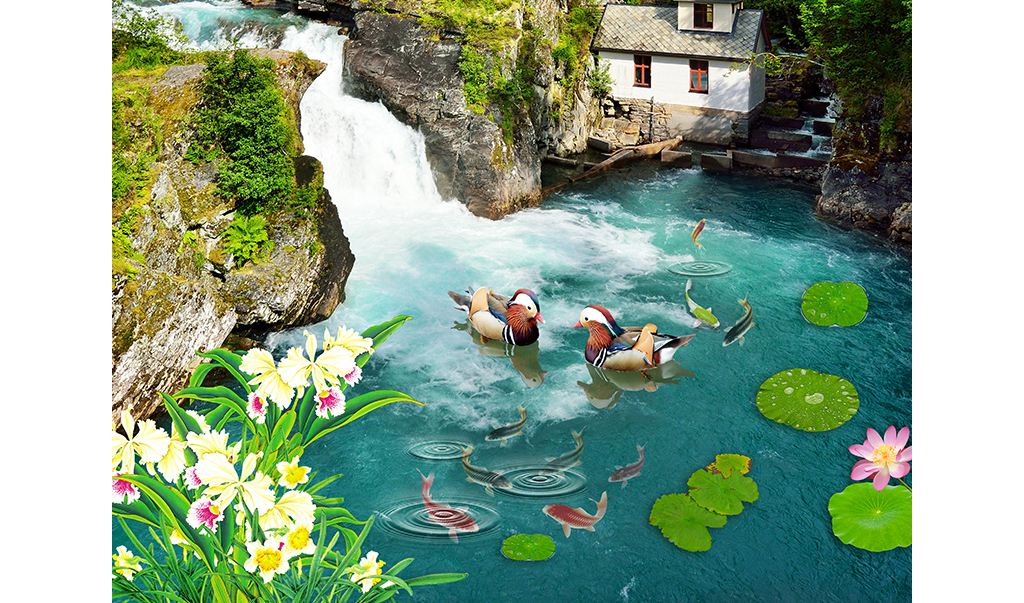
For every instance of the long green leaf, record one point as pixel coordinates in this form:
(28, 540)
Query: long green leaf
(223, 396)
(319, 485)
(334, 515)
(355, 408)
(435, 579)
(137, 511)
(379, 333)
(175, 507)
(306, 406)
(199, 375)
(230, 361)
(282, 430)
(183, 422)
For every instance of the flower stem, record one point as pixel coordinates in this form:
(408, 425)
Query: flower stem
(904, 484)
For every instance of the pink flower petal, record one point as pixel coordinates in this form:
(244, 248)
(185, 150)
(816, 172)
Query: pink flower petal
(863, 470)
(881, 479)
(874, 440)
(890, 436)
(906, 455)
(902, 437)
(899, 469)
(861, 450)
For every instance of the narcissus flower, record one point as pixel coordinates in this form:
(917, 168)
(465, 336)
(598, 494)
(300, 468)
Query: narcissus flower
(266, 558)
(365, 573)
(349, 339)
(292, 474)
(884, 457)
(298, 541)
(219, 474)
(124, 491)
(150, 443)
(204, 512)
(330, 403)
(268, 380)
(257, 407)
(126, 563)
(327, 369)
(295, 506)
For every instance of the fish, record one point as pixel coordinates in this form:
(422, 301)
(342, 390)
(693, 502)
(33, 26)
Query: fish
(697, 229)
(624, 474)
(742, 325)
(577, 518)
(479, 475)
(704, 315)
(508, 431)
(456, 520)
(567, 460)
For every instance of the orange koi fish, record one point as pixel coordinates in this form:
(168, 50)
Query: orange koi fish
(456, 520)
(577, 518)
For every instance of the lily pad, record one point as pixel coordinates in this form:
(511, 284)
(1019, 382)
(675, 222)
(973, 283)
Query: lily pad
(528, 547)
(721, 494)
(807, 399)
(870, 519)
(842, 304)
(727, 463)
(684, 522)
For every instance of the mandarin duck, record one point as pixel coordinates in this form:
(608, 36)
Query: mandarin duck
(612, 347)
(509, 319)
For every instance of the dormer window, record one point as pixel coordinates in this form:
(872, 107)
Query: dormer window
(702, 16)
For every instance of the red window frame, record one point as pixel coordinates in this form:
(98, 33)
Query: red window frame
(699, 69)
(703, 16)
(642, 70)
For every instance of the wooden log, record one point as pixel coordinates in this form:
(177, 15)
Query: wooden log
(563, 161)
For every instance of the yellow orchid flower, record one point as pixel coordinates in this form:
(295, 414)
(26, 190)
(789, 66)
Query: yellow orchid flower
(211, 442)
(215, 470)
(292, 474)
(268, 379)
(266, 558)
(150, 443)
(295, 506)
(298, 540)
(349, 339)
(326, 370)
(173, 464)
(126, 563)
(364, 573)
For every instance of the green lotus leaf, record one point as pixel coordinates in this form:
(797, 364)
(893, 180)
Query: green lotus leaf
(528, 547)
(684, 522)
(871, 520)
(842, 304)
(727, 463)
(721, 494)
(807, 399)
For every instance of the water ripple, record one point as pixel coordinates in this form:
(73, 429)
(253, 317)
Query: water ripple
(409, 518)
(531, 482)
(440, 450)
(700, 268)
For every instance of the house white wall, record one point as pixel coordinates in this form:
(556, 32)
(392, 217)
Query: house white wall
(721, 18)
(670, 83)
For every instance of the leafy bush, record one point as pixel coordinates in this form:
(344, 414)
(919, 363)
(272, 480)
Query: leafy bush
(247, 239)
(142, 39)
(244, 116)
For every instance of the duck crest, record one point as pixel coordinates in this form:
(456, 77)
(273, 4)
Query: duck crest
(613, 326)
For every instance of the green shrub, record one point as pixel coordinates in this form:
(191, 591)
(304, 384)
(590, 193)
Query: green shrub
(247, 239)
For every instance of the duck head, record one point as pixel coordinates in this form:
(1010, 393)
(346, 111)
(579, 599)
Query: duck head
(528, 300)
(598, 315)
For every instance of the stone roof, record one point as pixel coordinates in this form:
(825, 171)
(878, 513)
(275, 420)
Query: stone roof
(652, 29)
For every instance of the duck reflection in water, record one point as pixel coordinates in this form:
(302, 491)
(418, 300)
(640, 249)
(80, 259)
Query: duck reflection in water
(524, 358)
(607, 386)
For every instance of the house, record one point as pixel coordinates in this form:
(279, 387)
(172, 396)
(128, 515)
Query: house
(673, 63)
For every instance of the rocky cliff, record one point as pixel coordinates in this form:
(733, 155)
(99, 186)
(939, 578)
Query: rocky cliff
(185, 293)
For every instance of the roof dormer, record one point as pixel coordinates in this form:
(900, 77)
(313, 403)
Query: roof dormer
(708, 16)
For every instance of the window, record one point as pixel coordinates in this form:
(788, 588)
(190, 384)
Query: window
(702, 15)
(642, 70)
(698, 76)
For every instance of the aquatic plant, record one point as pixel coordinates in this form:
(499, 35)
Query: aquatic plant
(528, 547)
(807, 399)
(261, 532)
(718, 490)
(876, 517)
(841, 304)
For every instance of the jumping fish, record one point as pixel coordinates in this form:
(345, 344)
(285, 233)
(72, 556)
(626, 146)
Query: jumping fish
(741, 326)
(704, 315)
(456, 520)
(577, 518)
(623, 474)
(567, 460)
(479, 475)
(697, 229)
(508, 431)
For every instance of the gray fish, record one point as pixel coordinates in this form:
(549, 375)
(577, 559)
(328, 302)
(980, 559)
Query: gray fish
(479, 475)
(508, 431)
(567, 460)
(742, 326)
(624, 474)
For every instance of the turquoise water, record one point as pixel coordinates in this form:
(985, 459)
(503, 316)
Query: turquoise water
(618, 241)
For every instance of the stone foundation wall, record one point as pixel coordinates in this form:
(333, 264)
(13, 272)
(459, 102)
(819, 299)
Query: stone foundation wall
(629, 122)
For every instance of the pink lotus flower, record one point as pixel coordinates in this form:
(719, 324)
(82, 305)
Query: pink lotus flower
(884, 457)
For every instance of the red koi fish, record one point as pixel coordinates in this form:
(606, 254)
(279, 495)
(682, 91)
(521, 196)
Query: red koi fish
(623, 474)
(697, 229)
(456, 520)
(577, 518)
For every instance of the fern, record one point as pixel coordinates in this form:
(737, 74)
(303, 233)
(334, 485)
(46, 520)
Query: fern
(247, 239)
